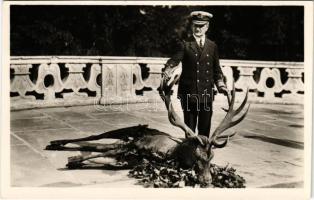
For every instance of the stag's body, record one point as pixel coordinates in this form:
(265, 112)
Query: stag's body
(130, 146)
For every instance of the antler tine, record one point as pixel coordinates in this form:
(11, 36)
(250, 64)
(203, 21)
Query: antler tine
(165, 92)
(233, 123)
(176, 121)
(228, 122)
(224, 142)
(226, 136)
(233, 113)
(237, 111)
(232, 97)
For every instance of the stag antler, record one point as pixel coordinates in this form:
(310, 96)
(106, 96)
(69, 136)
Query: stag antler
(165, 93)
(228, 122)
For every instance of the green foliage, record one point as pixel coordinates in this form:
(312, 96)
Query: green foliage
(251, 32)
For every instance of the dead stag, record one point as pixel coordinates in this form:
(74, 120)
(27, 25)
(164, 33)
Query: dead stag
(132, 144)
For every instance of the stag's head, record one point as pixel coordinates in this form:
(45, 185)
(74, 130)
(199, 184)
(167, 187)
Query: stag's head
(196, 151)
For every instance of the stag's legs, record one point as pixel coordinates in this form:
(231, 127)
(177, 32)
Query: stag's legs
(86, 146)
(123, 134)
(103, 160)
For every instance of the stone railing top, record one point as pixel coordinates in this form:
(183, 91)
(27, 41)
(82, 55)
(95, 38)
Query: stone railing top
(151, 60)
(85, 59)
(265, 64)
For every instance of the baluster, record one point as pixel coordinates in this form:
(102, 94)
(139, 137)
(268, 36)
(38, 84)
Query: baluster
(228, 73)
(75, 81)
(246, 81)
(49, 81)
(294, 84)
(137, 72)
(94, 80)
(246, 78)
(269, 84)
(21, 84)
(153, 80)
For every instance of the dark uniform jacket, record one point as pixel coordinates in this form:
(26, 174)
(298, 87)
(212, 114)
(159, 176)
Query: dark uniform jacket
(200, 70)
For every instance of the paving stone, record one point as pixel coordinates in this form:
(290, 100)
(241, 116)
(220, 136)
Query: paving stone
(251, 164)
(270, 130)
(117, 119)
(32, 170)
(41, 138)
(69, 116)
(105, 178)
(159, 117)
(272, 151)
(169, 129)
(277, 109)
(90, 109)
(92, 125)
(289, 123)
(26, 114)
(15, 141)
(36, 124)
(253, 116)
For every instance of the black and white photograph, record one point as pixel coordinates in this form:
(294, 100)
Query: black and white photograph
(128, 99)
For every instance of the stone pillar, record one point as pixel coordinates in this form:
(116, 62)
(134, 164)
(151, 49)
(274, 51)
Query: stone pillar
(21, 82)
(294, 85)
(75, 81)
(228, 73)
(117, 84)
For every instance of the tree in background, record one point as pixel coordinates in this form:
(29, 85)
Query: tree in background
(242, 32)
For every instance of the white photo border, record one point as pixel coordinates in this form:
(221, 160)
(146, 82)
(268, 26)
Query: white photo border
(7, 191)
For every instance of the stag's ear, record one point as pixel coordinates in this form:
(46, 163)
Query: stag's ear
(143, 125)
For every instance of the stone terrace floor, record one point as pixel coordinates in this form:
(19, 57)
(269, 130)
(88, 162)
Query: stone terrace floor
(267, 151)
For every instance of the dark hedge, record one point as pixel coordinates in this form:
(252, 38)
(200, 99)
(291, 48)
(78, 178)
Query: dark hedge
(241, 32)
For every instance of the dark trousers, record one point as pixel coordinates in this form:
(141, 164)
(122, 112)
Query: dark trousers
(198, 114)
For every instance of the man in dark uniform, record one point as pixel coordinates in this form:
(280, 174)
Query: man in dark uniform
(200, 72)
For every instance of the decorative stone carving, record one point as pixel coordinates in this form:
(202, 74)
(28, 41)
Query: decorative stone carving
(228, 73)
(21, 82)
(51, 71)
(153, 80)
(125, 81)
(95, 74)
(269, 83)
(246, 78)
(121, 76)
(75, 81)
(138, 81)
(109, 83)
(294, 85)
(118, 83)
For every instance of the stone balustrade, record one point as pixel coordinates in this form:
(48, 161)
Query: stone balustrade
(47, 81)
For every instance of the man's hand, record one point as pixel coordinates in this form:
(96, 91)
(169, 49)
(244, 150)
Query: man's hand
(223, 89)
(167, 73)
